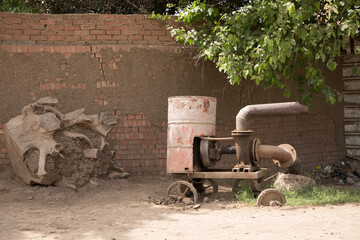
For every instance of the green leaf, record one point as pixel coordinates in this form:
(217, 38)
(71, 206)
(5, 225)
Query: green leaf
(331, 65)
(245, 73)
(210, 11)
(291, 8)
(303, 35)
(287, 93)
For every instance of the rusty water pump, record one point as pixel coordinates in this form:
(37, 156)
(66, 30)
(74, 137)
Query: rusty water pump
(194, 151)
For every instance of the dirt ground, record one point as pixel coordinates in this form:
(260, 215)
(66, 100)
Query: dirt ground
(124, 209)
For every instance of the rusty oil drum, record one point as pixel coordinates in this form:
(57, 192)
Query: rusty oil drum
(188, 117)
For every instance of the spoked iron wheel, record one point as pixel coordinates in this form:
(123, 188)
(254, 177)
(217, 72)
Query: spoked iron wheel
(181, 189)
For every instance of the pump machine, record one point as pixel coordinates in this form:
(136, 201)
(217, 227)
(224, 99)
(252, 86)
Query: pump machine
(193, 151)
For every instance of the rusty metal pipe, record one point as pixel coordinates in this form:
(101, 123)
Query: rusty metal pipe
(267, 109)
(228, 149)
(283, 155)
(273, 152)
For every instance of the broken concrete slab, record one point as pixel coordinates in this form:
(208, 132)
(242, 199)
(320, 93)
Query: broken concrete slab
(291, 182)
(46, 146)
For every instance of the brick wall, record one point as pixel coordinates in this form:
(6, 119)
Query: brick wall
(106, 62)
(80, 29)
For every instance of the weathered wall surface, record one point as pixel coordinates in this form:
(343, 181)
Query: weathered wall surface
(129, 65)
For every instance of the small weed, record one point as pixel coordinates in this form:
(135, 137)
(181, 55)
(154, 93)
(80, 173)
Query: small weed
(313, 195)
(323, 195)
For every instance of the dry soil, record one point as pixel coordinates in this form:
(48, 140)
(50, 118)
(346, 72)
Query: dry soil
(125, 209)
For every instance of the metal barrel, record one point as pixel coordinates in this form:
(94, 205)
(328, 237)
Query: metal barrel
(188, 117)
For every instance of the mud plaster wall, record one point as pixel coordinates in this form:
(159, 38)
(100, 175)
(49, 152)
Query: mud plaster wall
(129, 65)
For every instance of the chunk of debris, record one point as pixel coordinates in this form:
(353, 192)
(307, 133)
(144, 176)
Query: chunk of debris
(292, 182)
(196, 206)
(46, 146)
(187, 201)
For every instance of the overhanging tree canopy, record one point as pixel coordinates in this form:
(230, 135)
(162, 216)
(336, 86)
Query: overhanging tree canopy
(273, 41)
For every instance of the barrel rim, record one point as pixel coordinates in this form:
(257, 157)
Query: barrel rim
(190, 96)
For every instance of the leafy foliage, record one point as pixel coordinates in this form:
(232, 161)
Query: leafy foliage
(88, 6)
(15, 6)
(271, 42)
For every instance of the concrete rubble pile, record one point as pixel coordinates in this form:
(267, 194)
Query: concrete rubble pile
(49, 147)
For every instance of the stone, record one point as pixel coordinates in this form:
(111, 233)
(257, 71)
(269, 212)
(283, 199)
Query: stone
(115, 175)
(206, 200)
(197, 206)
(291, 182)
(187, 201)
(350, 180)
(93, 182)
(327, 170)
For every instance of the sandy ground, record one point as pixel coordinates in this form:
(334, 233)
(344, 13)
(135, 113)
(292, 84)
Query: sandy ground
(120, 209)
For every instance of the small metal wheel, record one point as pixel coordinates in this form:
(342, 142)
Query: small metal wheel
(271, 197)
(181, 189)
(206, 186)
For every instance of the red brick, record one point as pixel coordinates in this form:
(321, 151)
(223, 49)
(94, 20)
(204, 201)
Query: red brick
(80, 22)
(81, 32)
(21, 26)
(65, 33)
(119, 37)
(130, 32)
(47, 21)
(12, 31)
(97, 31)
(88, 37)
(113, 31)
(12, 20)
(146, 21)
(154, 27)
(7, 14)
(158, 33)
(5, 37)
(71, 28)
(106, 16)
(120, 27)
(44, 86)
(136, 37)
(31, 32)
(166, 39)
(37, 26)
(151, 38)
(137, 16)
(38, 37)
(145, 33)
(103, 27)
(140, 42)
(72, 38)
(48, 33)
(21, 37)
(103, 37)
(87, 26)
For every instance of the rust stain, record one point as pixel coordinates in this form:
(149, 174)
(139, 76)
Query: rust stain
(206, 104)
